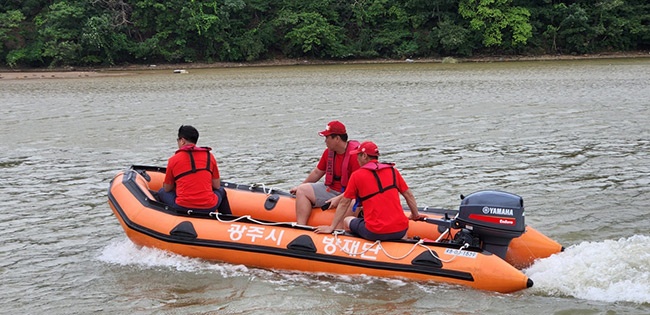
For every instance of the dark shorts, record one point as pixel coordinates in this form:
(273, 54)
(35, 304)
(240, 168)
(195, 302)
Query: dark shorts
(323, 194)
(170, 199)
(358, 226)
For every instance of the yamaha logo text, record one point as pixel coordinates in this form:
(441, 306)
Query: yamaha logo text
(497, 211)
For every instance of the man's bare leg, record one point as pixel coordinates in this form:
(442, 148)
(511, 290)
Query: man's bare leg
(305, 199)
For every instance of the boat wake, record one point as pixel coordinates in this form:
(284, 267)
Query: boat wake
(125, 253)
(608, 271)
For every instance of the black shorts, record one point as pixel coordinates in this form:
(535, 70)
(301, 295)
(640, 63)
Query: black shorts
(358, 226)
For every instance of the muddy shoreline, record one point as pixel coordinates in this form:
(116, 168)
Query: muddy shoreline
(80, 72)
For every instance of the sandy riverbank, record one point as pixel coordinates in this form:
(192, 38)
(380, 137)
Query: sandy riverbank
(21, 74)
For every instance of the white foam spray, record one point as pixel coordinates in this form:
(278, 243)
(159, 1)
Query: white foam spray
(609, 271)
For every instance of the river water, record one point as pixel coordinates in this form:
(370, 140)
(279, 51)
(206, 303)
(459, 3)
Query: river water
(570, 137)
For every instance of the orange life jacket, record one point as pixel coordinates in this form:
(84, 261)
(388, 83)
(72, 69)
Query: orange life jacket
(374, 167)
(345, 171)
(192, 148)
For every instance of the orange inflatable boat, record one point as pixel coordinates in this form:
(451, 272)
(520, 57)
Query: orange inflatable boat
(276, 205)
(258, 236)
(522, 250)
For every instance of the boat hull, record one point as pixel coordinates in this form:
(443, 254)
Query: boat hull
(254, 200)
(258, 243)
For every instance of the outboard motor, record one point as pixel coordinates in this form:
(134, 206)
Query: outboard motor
(494, 217)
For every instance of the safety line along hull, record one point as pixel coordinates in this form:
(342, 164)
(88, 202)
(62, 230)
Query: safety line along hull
(274, 205)
(261, 244)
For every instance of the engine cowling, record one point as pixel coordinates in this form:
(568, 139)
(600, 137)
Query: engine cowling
(495, 217)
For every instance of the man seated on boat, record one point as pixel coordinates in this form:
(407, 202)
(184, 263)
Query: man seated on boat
(192, 180)
(377, 186)
(335, 164)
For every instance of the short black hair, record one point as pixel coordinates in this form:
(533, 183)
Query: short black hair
(343, 136)
(188, 133)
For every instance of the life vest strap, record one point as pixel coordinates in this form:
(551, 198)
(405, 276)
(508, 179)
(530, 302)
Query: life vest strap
(380, 188)
(345, 170)
(193, 164)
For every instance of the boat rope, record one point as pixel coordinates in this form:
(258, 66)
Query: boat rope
(253, 186)
(378, 243)
(249, 218)
(443, 234)
(336, 233)
(462, 248)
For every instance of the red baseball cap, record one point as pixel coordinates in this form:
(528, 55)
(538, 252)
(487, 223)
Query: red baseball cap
(333, 127)
(367, 147)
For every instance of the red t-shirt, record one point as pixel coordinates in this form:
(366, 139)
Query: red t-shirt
(383, 212)
(193, 190)
(353, 165)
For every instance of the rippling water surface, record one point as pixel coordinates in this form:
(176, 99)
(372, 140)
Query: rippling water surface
(570, 137)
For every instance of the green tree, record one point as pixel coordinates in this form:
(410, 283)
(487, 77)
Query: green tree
(452, 39)
(101, 42)
(9, 27)
(385, 29)
(311, 34)
(37, 33)
(570, 30)
(617, 24)
(59, 30)
(493, 18)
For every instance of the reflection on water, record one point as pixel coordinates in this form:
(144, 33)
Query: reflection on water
(569, 137)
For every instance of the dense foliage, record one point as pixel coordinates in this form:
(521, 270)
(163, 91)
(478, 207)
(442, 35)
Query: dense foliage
(49, 33)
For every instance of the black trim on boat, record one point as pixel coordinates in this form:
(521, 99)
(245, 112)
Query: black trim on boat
(303, 243)
(271, 201)
(299, 250)
(427, 259)
(142, 169)
(184, 230)
(273, 192)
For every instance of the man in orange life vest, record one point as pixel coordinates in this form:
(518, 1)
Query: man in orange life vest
(192, 179)
(377, 185)
(336, 164)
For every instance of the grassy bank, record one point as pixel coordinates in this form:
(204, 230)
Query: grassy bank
(79, 72)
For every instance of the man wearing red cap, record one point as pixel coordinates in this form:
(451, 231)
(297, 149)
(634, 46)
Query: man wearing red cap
(377, 186)
(336, 164)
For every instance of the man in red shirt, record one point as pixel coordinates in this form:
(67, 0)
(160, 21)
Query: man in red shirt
(377, 186)
(192, 179)
(336, 164)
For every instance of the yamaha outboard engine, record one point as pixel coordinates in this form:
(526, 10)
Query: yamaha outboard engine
(494, 217)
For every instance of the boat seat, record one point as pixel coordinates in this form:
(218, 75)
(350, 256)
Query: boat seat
(154, 195)
(144, 186)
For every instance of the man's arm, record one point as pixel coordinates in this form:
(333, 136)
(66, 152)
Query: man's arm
(168, 187)
(410, 201)
(344, 204)
(313, 177)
